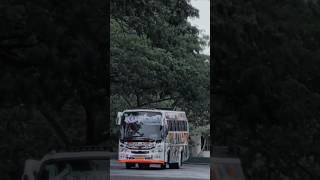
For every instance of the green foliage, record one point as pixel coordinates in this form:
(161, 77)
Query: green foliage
(53, 70)
(266, 90)
(155, 58)
(53, 78)
(199, 130)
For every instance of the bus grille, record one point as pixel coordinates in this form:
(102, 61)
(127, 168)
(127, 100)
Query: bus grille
(139, 152)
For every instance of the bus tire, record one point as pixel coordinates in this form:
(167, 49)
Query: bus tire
(129, 165)
(170, 164)
(163, 166)
(178, 164)
(174, 165)
(144, 166)
(181, 159)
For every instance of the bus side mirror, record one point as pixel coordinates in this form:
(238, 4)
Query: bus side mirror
(164, 131)
(119, 116)
(161, 131)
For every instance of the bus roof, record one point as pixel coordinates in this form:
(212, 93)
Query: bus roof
(179, 115)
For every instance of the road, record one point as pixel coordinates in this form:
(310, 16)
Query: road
(187, 172)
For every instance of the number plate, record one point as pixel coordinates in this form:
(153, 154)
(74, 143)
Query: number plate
(139, 157)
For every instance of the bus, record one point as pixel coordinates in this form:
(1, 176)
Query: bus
(153, 136)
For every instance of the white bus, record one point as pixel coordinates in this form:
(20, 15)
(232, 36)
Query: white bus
(153, 136)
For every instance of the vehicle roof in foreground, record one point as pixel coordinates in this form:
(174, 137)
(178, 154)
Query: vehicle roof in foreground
(96, 155)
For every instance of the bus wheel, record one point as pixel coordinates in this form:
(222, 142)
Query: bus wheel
(163, 166)
(144, 166)
(170, 164)
(174, 165)
(129, 165)
(178, 165)
(181, 159)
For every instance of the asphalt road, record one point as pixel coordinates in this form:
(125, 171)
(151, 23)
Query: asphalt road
(187, 172)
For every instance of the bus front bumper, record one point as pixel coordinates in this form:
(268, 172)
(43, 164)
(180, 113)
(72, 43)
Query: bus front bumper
(142, 161)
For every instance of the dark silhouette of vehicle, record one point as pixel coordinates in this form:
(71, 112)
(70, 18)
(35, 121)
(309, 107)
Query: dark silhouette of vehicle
(225, 164)
(88, 164)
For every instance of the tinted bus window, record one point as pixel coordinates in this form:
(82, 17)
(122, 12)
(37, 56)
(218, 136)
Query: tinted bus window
(183, 125)
(186, 126)
(178, 125)
(175, 125)
(170, 125)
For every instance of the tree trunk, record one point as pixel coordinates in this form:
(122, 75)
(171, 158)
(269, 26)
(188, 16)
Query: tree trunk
(138, 100)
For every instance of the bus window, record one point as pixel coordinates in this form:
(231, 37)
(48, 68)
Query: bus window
(174, 124)
(183, 125)
(179, 126)
(187, 126)
(170, 125)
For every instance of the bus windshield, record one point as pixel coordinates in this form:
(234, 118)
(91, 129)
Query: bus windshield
(141, 126)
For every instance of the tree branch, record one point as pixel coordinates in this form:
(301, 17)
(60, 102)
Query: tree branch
(159, 100)
(127, 101)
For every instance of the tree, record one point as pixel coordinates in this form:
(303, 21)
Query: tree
(156, 60)
(265, 96)
(155, 57)
(53, 78)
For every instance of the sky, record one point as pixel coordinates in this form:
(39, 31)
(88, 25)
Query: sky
(203, 22)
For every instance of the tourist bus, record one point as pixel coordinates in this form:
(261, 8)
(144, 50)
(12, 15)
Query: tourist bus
(153, 136)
